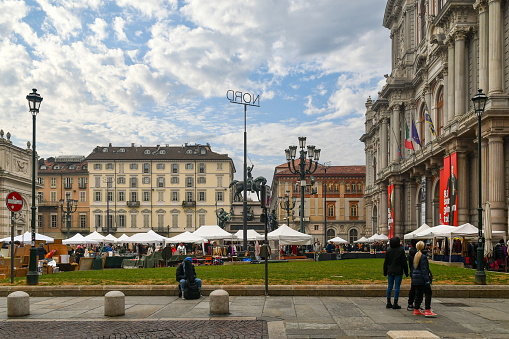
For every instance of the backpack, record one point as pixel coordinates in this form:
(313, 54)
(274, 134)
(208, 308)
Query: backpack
(191, 290)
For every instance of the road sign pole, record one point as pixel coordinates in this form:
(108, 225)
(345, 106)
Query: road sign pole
(12, 247)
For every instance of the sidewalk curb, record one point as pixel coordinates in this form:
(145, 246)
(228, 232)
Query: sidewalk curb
(439, 291)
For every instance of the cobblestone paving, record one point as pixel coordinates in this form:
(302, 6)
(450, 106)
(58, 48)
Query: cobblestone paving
(191, 329)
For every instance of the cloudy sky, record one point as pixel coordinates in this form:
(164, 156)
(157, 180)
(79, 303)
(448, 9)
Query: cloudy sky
(157, 72)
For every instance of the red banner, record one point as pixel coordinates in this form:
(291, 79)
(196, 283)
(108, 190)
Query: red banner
(449, 191)
(390, 210)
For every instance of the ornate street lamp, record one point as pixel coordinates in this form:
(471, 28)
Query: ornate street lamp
(301, 169)
(479, 104)
(67, 207)
(287, 203)
(34, 102)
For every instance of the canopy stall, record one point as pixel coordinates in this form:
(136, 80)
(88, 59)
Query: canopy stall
(337, 240)
(186, 238)
(252, 235)
(379, 237)
(110, 238)
(213, 232)
(143, 238)
(95, 236)
(412, 235)
(78, 239)
(122, 239)
(285, 235)
(361, 240)
(26, 238)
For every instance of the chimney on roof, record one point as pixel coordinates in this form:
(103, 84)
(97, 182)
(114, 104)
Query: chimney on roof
(109, 145)
(132, 144)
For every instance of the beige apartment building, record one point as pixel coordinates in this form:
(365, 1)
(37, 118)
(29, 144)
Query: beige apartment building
(169, 189)
(338, 201)
(442, 53)
(62, 178)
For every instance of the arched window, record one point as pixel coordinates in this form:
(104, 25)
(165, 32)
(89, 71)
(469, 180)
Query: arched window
(331, 234)
(353, 234)
(422, 127)
(296, 187)
(354, 188)
(353, 210)
(330, 210)
(374, 169)
(336, 188)
(422, 17)
(440, 111)
(359, 188)
(347, 190)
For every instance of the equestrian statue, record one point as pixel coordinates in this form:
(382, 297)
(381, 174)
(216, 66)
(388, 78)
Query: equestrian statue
(253, 185)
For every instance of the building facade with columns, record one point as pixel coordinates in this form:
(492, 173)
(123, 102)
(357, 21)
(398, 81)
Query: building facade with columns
(334, 201)
(442, 53)
(15, 176)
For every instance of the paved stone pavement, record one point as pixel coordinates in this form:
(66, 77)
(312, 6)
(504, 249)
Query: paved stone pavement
(253, 317)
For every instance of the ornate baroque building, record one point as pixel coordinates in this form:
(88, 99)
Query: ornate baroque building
(15, 175)
(63, 177)
(170, 189)
(342, 205)
(442, 53)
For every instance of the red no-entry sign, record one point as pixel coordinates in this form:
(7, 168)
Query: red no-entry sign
(14, 201)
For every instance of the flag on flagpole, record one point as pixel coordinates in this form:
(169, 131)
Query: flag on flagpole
(430, 123)
(399, 153)
(408, 140)
(415, 135)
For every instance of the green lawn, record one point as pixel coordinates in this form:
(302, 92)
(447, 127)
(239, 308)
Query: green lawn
(341, 272)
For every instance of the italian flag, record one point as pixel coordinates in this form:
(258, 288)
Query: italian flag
(408, 140)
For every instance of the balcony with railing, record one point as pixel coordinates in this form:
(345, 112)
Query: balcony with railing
(48, 203)
(188, 204)
(133, 204)
(75, 229)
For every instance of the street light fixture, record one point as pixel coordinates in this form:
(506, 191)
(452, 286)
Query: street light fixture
(301, 169)
(68, 207)
(34, 102)
(479, 101)
(287, 203)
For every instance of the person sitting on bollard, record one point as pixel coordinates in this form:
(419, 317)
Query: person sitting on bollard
(185, 272)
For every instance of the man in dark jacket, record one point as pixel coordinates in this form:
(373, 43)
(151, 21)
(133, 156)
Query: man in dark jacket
(394, 266)
(411, 255)
(185, 271)
(41, 251)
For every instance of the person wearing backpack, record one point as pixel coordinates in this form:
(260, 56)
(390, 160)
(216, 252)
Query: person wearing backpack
(395, 265)
(422, 279)
(187, 275)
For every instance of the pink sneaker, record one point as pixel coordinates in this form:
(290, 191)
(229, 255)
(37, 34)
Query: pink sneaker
(418, 312)
(429, 314)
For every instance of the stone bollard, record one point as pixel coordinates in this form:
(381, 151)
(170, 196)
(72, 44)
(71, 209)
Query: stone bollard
(18, 304)
(219, 302)
(114, 304)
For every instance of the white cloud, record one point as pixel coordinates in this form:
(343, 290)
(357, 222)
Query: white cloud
(150, 8)
(118, 24)
(62, 20)
(99, 27)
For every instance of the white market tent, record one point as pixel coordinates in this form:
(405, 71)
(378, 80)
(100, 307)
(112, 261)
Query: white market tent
(436, 231)
(26, 238)
(379, 237)
(144, 238)
(122, 239)
(186, 238)
(157, 235)
(213, 232)
(337, 240)
(252, 235)
(95, 236)
(110, 238)
(78, 239)
(361, 240)
(412, 235)
(288, 236)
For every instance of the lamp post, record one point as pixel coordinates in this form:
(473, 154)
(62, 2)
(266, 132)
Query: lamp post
(479, 104)
(34, 102)
(287, 203)
(301, 169)
(68, 207)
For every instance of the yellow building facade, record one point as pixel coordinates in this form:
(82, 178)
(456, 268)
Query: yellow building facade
(169, 189)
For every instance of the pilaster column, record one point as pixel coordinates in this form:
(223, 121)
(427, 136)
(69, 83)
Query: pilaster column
(484, 171)
(495, 47)
(429, 200)
(395, 133)
(496, 182)
(459, 75)
(398, 216)
(446, 96)
(450, 83)
(383, 226)
(427, 98)
(383, 144)
(412, 186)
(463, 191)
(482, 7)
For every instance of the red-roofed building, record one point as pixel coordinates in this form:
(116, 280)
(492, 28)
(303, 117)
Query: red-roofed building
(344, 205)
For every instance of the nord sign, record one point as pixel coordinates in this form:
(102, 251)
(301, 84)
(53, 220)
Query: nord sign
(243, 98)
